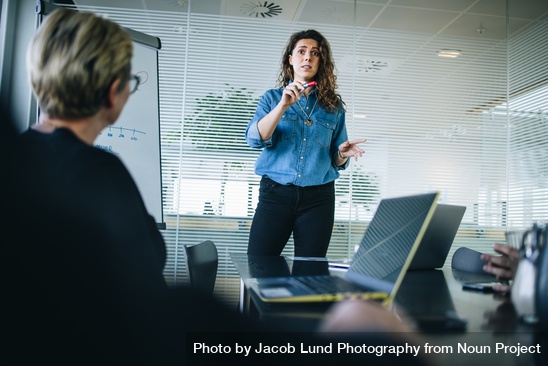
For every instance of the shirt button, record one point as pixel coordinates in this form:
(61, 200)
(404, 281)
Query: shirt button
(302, 157)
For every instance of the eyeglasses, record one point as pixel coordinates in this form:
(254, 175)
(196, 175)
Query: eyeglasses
(134, 81)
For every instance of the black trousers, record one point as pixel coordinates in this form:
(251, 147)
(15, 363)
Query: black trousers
(307, 212)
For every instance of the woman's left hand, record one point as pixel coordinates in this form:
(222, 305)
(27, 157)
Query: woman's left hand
(351, 149)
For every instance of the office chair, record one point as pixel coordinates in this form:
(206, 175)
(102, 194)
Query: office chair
(202, 261)
(467, 266)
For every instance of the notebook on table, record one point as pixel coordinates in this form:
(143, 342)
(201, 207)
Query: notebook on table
(438, 238)
(377, 268)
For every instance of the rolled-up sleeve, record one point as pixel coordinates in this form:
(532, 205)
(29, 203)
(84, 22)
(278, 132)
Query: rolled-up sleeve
(267, 102)
(253, 137)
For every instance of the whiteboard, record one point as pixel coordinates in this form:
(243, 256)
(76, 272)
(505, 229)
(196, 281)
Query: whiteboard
(135, 137)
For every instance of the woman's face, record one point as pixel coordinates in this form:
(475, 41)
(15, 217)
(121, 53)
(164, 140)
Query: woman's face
(305, 60)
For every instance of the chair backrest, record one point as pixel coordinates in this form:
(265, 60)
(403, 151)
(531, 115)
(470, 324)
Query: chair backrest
(202, 261)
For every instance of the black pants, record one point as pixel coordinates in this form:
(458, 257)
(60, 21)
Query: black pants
(307, 212)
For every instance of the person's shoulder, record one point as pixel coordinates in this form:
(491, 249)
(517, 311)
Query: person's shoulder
(342, 105)
(274, 93)
(63, 150)
(276, 90)
(103, 162)
(84, 151)
(105, 154)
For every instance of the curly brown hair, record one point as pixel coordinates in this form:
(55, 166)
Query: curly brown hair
(326, 78)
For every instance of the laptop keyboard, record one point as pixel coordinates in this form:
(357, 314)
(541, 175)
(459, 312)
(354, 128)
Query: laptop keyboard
(325, 283)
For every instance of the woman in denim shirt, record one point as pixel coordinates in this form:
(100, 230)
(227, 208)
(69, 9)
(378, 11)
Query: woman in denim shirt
(301, 128)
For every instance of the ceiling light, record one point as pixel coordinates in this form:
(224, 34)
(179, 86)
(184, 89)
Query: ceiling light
(449, 53)
(261, 9)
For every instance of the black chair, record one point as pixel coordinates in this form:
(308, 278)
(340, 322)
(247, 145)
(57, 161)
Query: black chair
(467, 266)
(202, 261)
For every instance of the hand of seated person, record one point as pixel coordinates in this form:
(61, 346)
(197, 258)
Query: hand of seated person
(503, 266)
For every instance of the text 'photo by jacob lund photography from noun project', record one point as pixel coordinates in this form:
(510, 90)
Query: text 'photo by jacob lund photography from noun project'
(347, 348)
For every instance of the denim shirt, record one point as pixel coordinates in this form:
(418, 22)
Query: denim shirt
(296, 153)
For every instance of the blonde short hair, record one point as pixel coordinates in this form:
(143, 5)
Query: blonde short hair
(73, 60)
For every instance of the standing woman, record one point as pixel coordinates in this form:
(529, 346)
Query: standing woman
(301, 129)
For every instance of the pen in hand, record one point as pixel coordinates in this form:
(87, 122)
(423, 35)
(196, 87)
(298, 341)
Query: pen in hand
(307, 85)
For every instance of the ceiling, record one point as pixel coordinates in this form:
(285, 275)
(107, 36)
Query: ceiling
(463, 18)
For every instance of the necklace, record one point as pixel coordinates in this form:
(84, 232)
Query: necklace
(308, 121)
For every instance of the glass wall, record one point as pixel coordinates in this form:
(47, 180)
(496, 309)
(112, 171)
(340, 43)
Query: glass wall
(471, 127)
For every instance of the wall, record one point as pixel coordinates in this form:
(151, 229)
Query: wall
(18, 25)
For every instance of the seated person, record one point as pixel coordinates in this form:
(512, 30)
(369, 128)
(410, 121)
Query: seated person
(84, 279)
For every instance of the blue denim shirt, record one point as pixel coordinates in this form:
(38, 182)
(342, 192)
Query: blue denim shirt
(296, 153)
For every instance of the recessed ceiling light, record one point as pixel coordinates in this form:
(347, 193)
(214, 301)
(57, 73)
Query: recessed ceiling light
(449, 53)
(369, 66)
(261, 9)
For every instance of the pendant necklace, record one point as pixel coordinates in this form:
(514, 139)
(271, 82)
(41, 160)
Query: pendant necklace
(308, 121)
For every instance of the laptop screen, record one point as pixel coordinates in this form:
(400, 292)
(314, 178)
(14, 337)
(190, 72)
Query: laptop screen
(391, 240)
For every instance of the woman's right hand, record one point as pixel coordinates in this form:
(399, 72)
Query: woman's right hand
(291, 94)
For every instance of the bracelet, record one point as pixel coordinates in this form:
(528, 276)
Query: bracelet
(341, 156)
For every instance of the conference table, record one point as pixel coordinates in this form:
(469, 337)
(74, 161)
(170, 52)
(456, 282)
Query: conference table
(459, 326)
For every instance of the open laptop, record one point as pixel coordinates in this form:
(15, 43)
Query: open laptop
(438, 238)
(378, 267)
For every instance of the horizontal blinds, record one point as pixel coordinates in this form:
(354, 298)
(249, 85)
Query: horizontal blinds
(527, 111)
(430, 123)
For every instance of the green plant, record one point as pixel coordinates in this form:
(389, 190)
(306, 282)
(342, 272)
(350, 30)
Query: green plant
(218, 123)
(219, 120)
